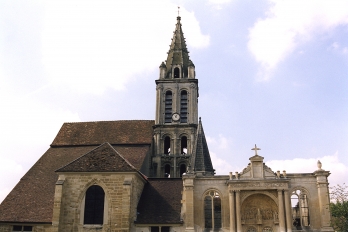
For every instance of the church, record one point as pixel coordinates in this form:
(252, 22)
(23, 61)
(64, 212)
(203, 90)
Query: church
(157, 175)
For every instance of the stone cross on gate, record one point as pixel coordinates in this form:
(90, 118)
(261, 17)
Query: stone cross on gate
(255, 149)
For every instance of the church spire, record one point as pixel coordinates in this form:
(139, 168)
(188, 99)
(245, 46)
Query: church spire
(178, 56)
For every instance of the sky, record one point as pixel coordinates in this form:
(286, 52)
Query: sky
(271, 73)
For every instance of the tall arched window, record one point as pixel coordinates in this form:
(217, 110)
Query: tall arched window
(182, 169)
(184, 145)
(94, 205)
(183, 106)
(176, 72)
(212, 210)
(167, 170)
(300, 211)
(166, 145)
(168, 107)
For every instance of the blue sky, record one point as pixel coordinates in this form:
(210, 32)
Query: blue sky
(271, 73)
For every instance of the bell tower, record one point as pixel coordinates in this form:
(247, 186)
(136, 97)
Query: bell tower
(176, 122)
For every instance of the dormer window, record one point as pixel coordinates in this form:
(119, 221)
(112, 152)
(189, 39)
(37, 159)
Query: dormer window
(176, 72)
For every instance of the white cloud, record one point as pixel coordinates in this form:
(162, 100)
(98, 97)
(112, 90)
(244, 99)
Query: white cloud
(289, 23)
(339, 171)
(93, 45)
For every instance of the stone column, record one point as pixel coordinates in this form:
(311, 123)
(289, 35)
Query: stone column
(281, 211)
(189, 203)
(324, 202)
(288, 211)
(58, 194)
(232, 212)
(238, 212)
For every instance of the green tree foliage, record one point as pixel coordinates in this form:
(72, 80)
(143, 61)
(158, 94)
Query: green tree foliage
(339, 207)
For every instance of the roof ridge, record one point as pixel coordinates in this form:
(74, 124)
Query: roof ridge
(123, 120)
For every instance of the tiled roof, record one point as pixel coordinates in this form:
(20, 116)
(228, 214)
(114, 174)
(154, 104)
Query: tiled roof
(201, 156)
(113, 132)
(101, 159)
(160, 202)
(31, 200)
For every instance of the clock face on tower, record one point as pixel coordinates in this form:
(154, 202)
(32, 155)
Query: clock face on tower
(175, 117)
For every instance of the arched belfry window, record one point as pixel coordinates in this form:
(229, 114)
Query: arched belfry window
(166, 146)
(182, 169)
(300, 209)
(183, 145)
(94, 205)
(183, 106)
(212, 210)
(168, 107)
(167, 170)
(176, 72)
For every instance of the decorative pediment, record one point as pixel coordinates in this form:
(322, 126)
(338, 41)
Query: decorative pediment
(257, 169)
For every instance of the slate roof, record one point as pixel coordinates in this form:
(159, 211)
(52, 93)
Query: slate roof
(31, 200)
(201, 156)
(113, 132)
(101, 159)
(160, 202)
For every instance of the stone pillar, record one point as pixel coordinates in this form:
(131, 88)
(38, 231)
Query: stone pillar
(281, 211)
(324, 201)
(238, 212)
(232, 212)
(288, 211)
(58, 194)
(189, 203)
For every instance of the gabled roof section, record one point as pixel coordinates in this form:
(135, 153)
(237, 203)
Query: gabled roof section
(178, 53)
(113, 132)
(160, 202)
(201, 156)
(101, 159)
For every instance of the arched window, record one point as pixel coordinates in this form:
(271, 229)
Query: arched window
(94, 205)
(184, 145)
(212, 210)
(176, 72)
(166, 145)
(182, 169)
(300, 211)
(168, 107)
(167, 170)
(183, 106)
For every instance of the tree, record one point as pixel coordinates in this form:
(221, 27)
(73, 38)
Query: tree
(339, 207)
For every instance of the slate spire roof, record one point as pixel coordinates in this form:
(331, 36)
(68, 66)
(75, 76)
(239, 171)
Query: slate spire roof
(178, 53)
(201, 158)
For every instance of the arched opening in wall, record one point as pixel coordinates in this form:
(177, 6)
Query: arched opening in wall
(183, 106)
(182, 169)
(212, 211)
(94, 205)
(166, 145)
(176, 72)
(300, 210)
(183, 145)
(168, 107)
(167, 171)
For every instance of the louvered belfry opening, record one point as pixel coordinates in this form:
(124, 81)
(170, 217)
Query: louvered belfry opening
(183, 106)
(168, 107)
(176, 72)
(94, 205)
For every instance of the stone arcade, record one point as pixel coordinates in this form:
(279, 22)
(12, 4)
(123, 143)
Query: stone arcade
(144, 175)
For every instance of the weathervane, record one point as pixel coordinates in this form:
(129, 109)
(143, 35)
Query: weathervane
(255, 149)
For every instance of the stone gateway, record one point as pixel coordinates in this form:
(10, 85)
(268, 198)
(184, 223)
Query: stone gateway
(157, 175)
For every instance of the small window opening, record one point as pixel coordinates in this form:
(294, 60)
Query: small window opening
(94, 205)
(166, 145)
(160, 228)
(176, 72)
(182, 169)
(184, 145)
(168, 107)
(167, 171)
(22, 228)
(183, 106)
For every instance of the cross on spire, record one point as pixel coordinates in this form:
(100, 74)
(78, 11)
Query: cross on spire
(255, 149)
(178, 10)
